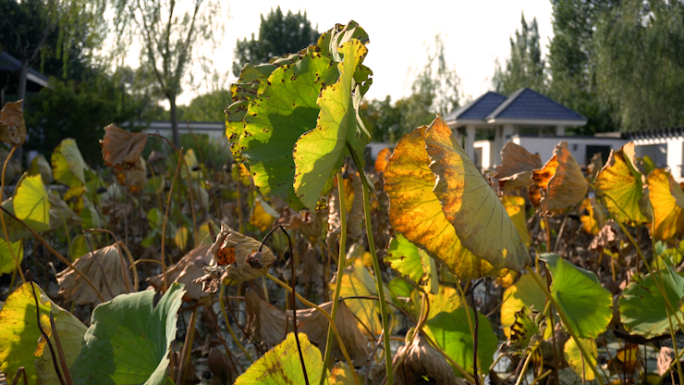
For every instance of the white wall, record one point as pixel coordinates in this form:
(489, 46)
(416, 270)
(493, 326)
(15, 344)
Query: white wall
(576, 145)
(486, 146)
(674, 156)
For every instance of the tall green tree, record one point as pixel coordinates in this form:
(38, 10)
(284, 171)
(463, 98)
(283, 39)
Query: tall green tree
(640, 63)
(167, 31)
(525, 66)
(572, 62)
(279, 34)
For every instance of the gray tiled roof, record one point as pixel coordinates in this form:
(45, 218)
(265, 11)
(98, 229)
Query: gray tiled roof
(11, 64)
(479, 108)
(528, 104)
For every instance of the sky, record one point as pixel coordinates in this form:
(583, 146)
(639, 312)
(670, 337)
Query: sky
(475, 32)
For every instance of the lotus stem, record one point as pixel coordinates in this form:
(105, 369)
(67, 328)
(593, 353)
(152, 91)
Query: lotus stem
(230, 329)
(340, 267)
(376, 265)
(166, 219)
(572, 333)
(525, 365)
(17, 264)
(330, 321)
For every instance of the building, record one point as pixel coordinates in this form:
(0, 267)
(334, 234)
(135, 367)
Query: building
(9, 77)
(527, 118)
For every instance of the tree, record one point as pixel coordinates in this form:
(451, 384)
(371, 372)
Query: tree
(572, 62)
(525, 67)
(640, 63)
(278, 35)
(207, 108)
(167, 31)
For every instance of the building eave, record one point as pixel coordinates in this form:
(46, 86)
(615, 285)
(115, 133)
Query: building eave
(538, 122)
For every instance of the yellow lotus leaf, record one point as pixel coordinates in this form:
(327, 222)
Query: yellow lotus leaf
(382, 159)
(515, 207)
(260, 218)
(416, 213)
(621, 186)
(593, 222)
(7, 264)
(507, 280)
(12, 126)
(122, 148)
(523, 294)
(667, 200)
(31, 203)
(239, 172)
(516, 159)
(470, 204)
(446, 300)
(560, 184)
(574, 358)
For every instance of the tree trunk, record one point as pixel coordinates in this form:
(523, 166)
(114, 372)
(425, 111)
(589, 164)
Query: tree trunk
(174, 120)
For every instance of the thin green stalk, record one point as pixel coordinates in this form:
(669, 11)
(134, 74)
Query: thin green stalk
(525, 365)
(17, 264)
(376, 265)
(327, 316)
(674, 345)
(230, 329)
(572, 333)
(340, 268)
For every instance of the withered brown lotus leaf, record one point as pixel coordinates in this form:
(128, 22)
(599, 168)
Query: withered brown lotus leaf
(61, 213)
(133, 177)
(186, 271)
(122, 148)
(155, 156)
(265, 322)
(605, 238)
(12, 125)
(560, 184)
(103, 268)
(222, 369)
(516, 159)
(241, 270)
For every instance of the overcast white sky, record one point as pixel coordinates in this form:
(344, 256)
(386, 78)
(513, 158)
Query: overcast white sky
(476, 33)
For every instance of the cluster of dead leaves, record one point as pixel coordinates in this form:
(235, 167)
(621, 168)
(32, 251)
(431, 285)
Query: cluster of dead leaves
(12, 125)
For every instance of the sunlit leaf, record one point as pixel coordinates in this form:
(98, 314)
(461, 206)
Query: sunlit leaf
(524, 294)
(573, 356)
(446, 300)
(382, 159)
(451, 332)
(667, 201)
(515, 207)
(416, 213)
(67, 164)
(31, 203)
(559, 184)
(260, 218)
(622, 186)
(123, 328)
(319, 152)
(19, 331)
(71, 332)
(284, 111)
(41, 166)
(470, 204)
(357, 281)
(281, 364)
(341, 375)
(516, 167)
(12, 125)
(643, 309)
(580, 295)
(7, 264)
(404, 257)
(596, 218)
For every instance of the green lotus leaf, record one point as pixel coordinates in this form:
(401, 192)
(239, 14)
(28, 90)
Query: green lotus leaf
(15, 230)
(587, 305)
(573, 356)
(31, 203)
(281, 365)
(524, 294)
(320, 152)
(68, 166)
(412, 262)
(643, 310)
(7, 264)
(128, 340)
(283, 111)
(41, 166)
(451, 332)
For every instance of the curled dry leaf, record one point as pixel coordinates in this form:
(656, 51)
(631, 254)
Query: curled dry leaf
(121, 148)
(423, 360)
(134, 177)
(155, 156)
(12, 125)
(560, 184)
(186, 271)
(230, 242)
(606, 237)
(516, 167)
(269, 324)
(103, 268)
